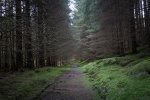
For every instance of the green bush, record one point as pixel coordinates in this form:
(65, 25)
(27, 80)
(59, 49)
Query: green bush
(110, 61)
(141, 69)
(124, 62)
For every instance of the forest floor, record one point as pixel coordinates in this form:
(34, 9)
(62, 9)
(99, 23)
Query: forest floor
(72, 85)
(116, 78)
(120, 78)
(29, 84)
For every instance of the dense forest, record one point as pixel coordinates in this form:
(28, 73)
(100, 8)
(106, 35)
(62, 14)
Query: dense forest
(74, 49)
(34, 33)
(112, 28)
(38, 33)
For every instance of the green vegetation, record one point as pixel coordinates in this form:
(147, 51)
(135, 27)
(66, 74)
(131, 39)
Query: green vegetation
(120, 78)
(27, 85)
(88, 84)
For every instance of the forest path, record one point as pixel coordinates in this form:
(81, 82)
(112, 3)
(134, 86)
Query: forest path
(70, 86)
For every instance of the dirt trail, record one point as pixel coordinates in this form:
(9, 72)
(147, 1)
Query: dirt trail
(70, 86)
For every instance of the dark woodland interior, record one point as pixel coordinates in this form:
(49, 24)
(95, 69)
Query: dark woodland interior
(107, 40)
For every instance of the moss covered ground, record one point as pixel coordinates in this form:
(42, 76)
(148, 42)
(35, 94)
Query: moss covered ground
(120, 78)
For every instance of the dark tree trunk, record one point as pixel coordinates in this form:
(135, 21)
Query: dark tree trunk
(41, 35)
(19, 54)
(148, 20)
(132, 27)
(28, 44)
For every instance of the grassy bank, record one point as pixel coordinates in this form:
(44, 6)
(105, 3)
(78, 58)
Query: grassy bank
(27, 85)
(120, 78)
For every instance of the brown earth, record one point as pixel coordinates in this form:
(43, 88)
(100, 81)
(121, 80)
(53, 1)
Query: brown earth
(70, 86)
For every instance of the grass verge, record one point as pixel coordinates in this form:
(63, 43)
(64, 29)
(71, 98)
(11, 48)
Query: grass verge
(120, 78)
(27, 85)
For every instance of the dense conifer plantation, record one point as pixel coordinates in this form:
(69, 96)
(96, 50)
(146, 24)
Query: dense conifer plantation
(116, 27)
(74, 49)
(38, 33)
(34, 33)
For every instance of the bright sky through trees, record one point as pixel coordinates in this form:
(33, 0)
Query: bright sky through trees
(72, 8)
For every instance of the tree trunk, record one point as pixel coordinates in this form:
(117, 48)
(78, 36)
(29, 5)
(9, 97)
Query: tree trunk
(28, 44)
(132, 27)
(19, 54)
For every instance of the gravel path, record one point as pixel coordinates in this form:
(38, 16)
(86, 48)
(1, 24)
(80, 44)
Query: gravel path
(70, 86)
